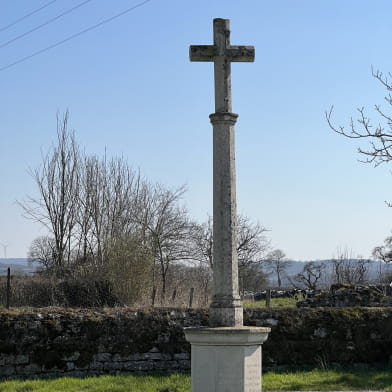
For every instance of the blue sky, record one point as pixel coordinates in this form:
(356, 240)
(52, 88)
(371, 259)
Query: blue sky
(130, 89)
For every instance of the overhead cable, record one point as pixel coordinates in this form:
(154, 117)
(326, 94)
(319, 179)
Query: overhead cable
(26, 16)
(74, 35)
(44, 24)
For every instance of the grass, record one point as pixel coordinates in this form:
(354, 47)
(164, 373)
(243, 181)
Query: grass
(172, 383)
(334, 379)
(275, 302)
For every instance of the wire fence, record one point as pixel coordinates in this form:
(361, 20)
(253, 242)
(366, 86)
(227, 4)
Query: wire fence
(40, 291)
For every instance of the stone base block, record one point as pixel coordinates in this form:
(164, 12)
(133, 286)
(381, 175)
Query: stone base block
(226, 359)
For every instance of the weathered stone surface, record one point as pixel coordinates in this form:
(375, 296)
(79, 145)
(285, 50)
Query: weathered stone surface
(104, 357)
(117, 358)
(184, 364)
(81, 366)
(32, 369)
(222, 53)
(96, 365)
(76, 373)
(6, 359)
(52, 369)
(72, 357)
(182, 356)
(155, 356)
(133, 357)
(113, 365)
(225, 308)
(21, 359)
(333, 335)
(165, 365)
(7, 371)
(139, 365)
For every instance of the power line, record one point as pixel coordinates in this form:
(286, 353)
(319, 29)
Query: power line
(44, 24)
(26, 16)
(74, 35)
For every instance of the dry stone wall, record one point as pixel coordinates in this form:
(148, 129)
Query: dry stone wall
(53, 342)
(324, 336)
(343, 295)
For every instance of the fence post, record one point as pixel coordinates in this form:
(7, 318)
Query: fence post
(8, 287)
(268, 298)
(174, 294)
(191, 297)
(154, 291)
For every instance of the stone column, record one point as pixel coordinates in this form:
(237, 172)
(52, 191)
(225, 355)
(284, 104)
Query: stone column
(225, 309)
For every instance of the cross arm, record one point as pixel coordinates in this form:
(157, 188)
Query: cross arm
(202, 52)
(238, 53)
(241, 53)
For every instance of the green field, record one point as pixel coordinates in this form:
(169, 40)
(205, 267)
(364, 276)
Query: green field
(338, 379)
(275, 302)
(283, 380)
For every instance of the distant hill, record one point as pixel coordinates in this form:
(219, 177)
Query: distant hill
(22, 266)
(297, 266)
(17, 266)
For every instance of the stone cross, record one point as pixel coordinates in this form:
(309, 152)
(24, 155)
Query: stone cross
(222, 54)
(225, 309)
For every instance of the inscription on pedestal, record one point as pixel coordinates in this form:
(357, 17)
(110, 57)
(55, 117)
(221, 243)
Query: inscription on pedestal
(252, 369)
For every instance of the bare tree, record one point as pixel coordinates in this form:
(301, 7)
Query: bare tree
(337, 269)
(203, 243)
(379, 136)
(252, 247)
(384, 252)
(361, 271)
(278, 263)
(43, 251)
(350, 270)
(166, 227)
(58, 184)
(253, 278)
(252, 243)
(310, 275)
(92, 206)
(107, 205)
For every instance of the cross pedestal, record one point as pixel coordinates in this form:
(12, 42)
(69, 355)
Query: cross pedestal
(227, 356)
(226, 359)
